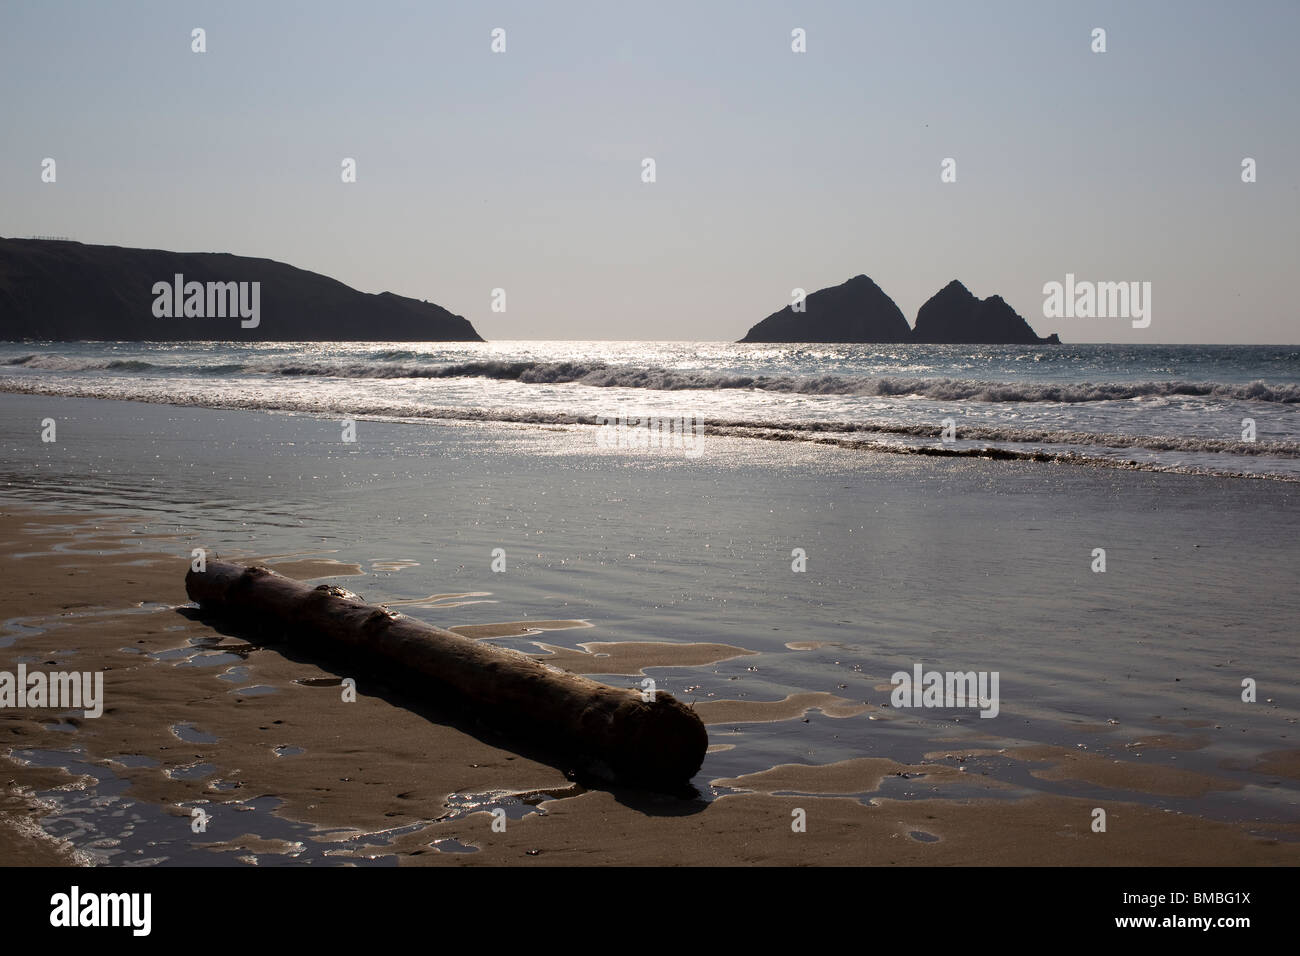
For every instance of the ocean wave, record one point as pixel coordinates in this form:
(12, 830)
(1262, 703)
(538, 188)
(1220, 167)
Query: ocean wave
(63, 363)
(914, 438)
(602, 375)
(1023, 436)
(395, 364)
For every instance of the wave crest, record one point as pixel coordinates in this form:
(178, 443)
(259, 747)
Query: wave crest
(603, 375)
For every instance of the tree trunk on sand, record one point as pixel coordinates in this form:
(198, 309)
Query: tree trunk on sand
(614, 732)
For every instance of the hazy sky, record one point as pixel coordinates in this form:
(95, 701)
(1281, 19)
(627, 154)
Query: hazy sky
(522, 170)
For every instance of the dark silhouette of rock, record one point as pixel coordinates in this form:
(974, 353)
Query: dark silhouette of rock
(856, 311)
(63, 291)
(953, 316)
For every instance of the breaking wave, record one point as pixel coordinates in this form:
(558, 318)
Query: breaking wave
(876, 434)
(390, 365)
(601, 375)
(59, 363)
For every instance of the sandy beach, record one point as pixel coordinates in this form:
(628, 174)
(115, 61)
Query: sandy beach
(1119, 691)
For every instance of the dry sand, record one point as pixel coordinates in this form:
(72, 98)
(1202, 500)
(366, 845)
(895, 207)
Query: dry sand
(384, 777)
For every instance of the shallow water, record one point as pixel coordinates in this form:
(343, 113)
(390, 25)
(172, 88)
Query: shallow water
(955, 564)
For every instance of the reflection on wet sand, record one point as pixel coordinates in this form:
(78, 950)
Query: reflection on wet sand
(456, 599)
(633, 657)
(481, 632)
(309, 569)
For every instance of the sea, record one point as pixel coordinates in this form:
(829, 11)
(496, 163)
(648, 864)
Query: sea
(1217, 409)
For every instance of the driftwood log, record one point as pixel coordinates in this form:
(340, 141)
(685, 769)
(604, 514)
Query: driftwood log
(611, 731)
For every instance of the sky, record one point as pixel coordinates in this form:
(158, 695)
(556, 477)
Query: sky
(774, 170)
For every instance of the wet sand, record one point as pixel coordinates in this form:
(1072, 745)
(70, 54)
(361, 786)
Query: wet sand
(285, 770)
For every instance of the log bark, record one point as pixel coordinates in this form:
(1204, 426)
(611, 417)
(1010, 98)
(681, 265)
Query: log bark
(612, 731)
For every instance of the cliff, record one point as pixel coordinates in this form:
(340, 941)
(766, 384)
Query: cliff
(858, 311)
(64, 291)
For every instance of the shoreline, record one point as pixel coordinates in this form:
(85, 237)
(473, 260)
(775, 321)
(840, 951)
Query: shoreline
(1124, 425)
